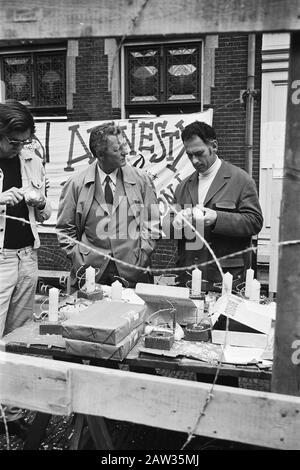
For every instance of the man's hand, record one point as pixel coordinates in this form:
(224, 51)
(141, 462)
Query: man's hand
(12, 196)
(198, 212)
(210, 216)
(35, 198)
(182, 218)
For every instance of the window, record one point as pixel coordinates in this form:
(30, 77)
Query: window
(37, 78)
(162, 78)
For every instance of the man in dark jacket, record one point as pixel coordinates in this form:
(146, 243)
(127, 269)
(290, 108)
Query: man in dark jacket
(219, 198)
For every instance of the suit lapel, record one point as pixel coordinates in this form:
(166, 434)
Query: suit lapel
(218, 182)
(88, 191)
(99, 195)
(135, 200)
(193, 188)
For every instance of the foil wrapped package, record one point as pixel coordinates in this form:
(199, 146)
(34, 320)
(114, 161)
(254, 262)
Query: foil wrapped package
(104, 322)
(116, 352)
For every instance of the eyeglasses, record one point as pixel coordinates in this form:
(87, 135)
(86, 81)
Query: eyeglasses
(19, 142)
(122, 146)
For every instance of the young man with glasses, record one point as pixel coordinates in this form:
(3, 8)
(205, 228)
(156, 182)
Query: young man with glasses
(22, 204)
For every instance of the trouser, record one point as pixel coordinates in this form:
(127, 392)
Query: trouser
(110, 275)
(18, 279)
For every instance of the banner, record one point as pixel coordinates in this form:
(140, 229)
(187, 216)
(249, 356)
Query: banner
(153, 144)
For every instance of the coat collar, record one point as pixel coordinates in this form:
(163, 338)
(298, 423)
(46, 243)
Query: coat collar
(129, 175)
(193, 188)
(127, 171)
(218, 182)
(26, 154)
(90, 173)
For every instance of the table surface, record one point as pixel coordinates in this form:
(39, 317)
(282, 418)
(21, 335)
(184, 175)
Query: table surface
(27, 340)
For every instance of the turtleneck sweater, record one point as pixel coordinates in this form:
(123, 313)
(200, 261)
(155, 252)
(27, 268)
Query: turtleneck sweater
(205, 180)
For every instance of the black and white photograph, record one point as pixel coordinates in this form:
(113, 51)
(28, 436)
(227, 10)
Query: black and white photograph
(149, 228)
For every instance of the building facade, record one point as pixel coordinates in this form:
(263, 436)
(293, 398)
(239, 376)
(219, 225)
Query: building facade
(98, 79)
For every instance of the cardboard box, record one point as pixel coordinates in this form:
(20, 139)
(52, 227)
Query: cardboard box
(104, 322)
(158, 297)
(116, 352)
(237, 338)
(248, 326)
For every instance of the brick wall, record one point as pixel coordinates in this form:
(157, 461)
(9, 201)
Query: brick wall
(230, 117)
(50, 255)
(92, 101)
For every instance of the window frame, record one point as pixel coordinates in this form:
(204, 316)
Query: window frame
(162, 106)
(33, 52)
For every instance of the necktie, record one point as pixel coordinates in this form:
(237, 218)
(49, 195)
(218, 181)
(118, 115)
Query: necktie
(109, 198)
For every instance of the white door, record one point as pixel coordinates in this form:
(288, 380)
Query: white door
(273, 115)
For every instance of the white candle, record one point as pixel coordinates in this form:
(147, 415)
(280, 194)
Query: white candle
(227, 284)
(249, 279)
(90, 279)
(255, 291)
(196, 281)
(116, 291)
(53, 304)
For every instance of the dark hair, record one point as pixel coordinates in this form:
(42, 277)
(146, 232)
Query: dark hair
(200, 129)
(14, 116)
(99, 135)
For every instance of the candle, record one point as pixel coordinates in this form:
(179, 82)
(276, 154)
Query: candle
(227, 284)
(116, 291)
(249, 279)
(255, 291)
(53, 304)
(90, 279)
(196, 281)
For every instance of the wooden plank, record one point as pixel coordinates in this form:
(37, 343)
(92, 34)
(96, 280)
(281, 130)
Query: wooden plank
(240, 415)
(286, 375)
(41, 386)
(72, 19)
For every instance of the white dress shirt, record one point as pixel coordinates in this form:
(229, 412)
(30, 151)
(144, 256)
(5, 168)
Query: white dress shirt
(113, 179)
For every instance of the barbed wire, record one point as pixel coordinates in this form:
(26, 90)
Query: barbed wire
(215, 260)
(227, 104)
(151, 270)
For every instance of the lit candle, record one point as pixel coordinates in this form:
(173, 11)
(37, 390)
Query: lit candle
(53, 304)
(90, 279)
(227, 284)
(116, 291)
(196, 281)
(255, 291)
(249, 279)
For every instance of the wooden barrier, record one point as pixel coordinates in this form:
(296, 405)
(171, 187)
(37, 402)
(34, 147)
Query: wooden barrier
(55, 387)
(263, 419)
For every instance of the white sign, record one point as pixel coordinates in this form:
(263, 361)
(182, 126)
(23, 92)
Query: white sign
(153, 144)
